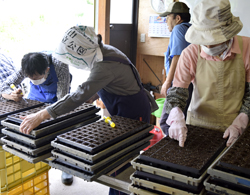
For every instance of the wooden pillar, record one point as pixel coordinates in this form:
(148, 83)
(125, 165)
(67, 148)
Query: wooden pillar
(104, 20)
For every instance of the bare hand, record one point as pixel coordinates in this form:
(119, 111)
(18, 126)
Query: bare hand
(16, 95)
(166, 85)
(92, 99)
(32, 121)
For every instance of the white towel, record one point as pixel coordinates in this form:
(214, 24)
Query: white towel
(79, 48)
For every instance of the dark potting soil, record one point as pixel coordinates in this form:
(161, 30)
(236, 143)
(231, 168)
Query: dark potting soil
(201, 148)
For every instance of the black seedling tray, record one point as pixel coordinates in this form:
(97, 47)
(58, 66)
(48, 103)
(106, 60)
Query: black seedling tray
(26, 148)
(76, 171)
(27, 157)
(233, 172)
(87, 157)
(167, 173)
(143, 190)
(94, 168)
(99, 135)
(159, 187)
(237, 158)
(79, 110)
(58, 125)
(23, 138)
(11, 107)
(201, 149)
(211, 193)
(169, 182)
(229, 168)
(228, 185)
(1, 135)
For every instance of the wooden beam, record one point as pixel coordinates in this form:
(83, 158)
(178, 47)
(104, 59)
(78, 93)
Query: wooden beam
(104, 20)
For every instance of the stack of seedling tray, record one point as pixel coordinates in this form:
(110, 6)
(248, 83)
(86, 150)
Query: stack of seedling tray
(95, 149)
(231, 172)
(1, 135)
(36, 146)
(167, 168)
(8, 107)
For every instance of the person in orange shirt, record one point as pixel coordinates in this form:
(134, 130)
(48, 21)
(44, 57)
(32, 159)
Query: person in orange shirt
(217, 63)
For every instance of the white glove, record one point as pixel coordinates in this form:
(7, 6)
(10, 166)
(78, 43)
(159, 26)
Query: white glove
(236, 129)
(178, 128)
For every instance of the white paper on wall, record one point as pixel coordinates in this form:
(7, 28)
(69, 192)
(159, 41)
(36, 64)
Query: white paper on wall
(158, 27)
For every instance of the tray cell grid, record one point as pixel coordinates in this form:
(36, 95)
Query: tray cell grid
(98, 133)
(27, 112)
(200, 146)
(3, 111)
(34, 110)
(238, 154)
(10, 106)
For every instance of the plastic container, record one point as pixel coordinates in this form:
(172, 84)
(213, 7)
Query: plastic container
(160, 103)
(158, 135)
(14, 170)
(38, 185)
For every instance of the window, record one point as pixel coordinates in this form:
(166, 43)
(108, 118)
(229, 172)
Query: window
(121, 12)
(35, 25)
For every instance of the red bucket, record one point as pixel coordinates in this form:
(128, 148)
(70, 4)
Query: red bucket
(158, 135)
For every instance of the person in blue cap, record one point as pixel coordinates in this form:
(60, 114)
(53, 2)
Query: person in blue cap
(178, 18)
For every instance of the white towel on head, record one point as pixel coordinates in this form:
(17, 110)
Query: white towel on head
(79, 48)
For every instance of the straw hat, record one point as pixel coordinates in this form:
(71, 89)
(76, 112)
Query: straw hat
(213, 23)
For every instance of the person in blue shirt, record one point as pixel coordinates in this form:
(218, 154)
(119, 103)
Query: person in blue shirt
(49, 82)
(49, 79)
(178, 18)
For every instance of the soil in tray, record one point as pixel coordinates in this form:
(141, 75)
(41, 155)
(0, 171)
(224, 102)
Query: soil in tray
(201, 148)
(99, 135)
(7, 107)
(81, 109)
(237, 157)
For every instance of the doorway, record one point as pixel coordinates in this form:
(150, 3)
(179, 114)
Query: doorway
(123, 26)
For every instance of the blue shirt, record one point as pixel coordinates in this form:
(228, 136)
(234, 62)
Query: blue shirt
(177, 43)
